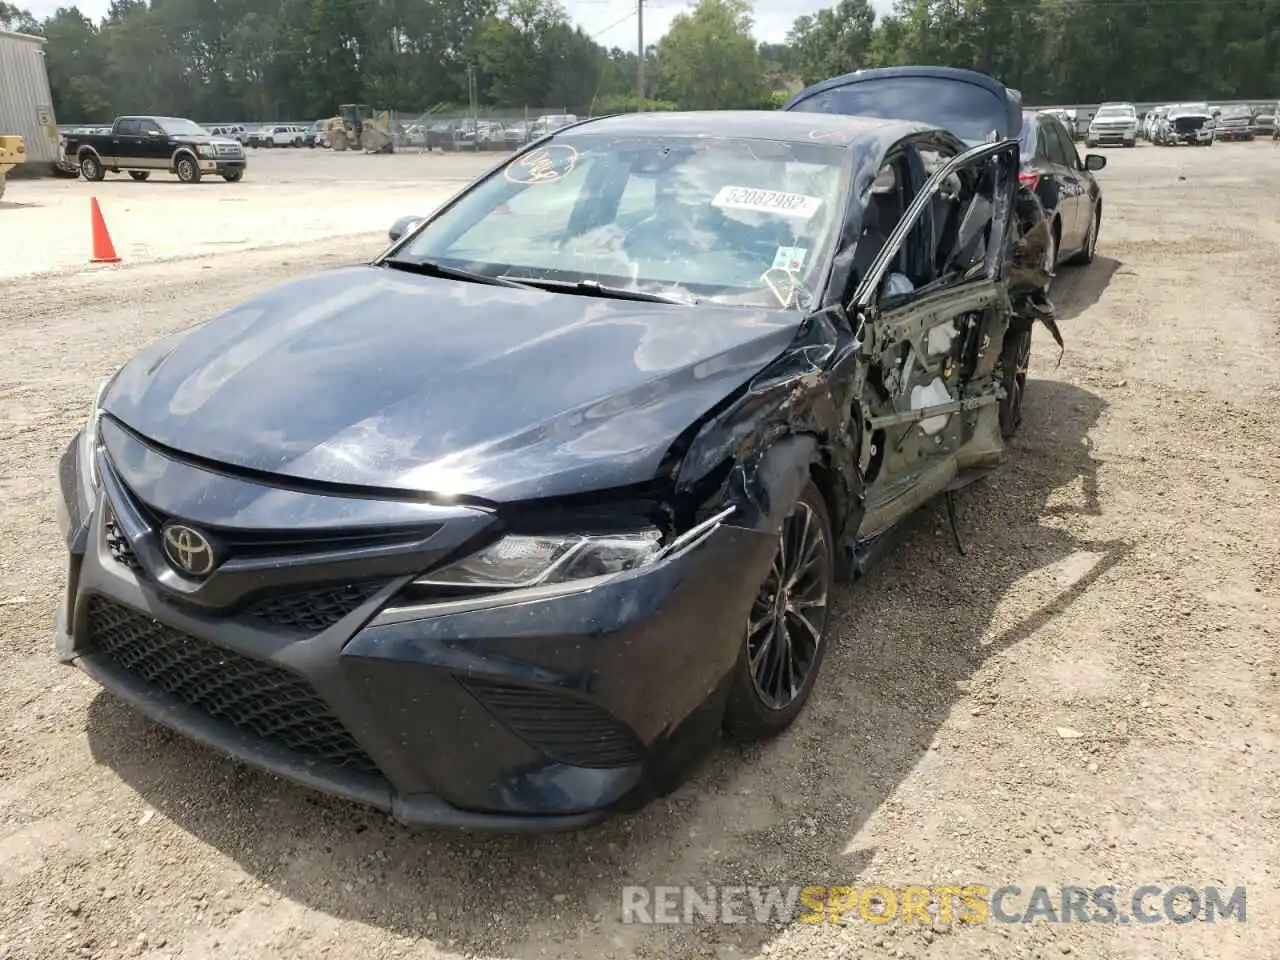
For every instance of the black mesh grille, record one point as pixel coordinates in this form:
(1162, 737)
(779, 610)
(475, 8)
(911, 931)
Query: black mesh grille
(313, 610)
(258, 697)
(1188, 124)
(118, 544)
(561, 726)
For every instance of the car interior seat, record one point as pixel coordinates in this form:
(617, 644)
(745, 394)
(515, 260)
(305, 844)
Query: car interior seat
(881, 214)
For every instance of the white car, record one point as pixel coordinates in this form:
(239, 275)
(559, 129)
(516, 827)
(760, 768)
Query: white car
(1191, 123)
(286, 135)
(233, 131)
(1113, 123)
(1151, 123)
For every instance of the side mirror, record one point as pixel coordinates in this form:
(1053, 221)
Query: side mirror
(402, 226)
(1094, 161)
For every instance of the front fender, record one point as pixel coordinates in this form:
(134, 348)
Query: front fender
(794, 420)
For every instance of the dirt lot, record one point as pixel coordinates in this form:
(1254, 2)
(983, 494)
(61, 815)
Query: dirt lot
(1089, 697)
(287, 195)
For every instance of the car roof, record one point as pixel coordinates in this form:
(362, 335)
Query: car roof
(753, 125)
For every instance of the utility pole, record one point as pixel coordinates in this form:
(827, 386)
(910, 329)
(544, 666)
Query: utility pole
(640, 51)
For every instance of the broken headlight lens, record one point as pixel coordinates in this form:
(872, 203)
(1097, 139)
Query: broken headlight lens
(534, 561)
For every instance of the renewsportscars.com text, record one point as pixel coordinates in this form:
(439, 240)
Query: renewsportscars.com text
(971, 904)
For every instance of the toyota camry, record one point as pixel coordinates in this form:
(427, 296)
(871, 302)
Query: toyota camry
(505, 528)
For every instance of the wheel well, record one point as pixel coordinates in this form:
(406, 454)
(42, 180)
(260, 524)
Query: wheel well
(180, 152)
(824, 479)
(86, 149)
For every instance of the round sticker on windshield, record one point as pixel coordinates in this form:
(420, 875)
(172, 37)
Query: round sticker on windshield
(544, 165)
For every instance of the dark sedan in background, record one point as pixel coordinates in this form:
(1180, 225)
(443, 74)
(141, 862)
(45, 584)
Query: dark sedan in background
(1065, 186)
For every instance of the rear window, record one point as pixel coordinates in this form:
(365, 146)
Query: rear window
(967, 110)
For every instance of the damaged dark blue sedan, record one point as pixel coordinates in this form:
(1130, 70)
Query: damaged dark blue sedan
(504, 528)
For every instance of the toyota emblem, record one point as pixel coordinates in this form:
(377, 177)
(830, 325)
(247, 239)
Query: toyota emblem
(189, 550)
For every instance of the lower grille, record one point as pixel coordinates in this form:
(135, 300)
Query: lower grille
(561, 726)
(253, 695)
(313, 610)
(118, 544)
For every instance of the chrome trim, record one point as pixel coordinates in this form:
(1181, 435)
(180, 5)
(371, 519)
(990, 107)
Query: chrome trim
(498, 598)
(694, 535)
(681, 546)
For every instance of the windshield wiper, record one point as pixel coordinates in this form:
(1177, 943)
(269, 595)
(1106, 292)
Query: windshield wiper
(429, 268)
(591, 288)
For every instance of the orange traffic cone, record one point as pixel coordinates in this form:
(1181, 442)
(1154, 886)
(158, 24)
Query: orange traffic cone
(103, 250)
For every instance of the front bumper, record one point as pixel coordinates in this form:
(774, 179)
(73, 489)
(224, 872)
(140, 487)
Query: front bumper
(1108, 135)
(544, 715)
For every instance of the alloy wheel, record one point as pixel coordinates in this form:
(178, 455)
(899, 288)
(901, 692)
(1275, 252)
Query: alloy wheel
(788, 619)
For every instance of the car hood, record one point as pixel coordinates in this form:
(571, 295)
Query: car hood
(377, 378)
(195, 140)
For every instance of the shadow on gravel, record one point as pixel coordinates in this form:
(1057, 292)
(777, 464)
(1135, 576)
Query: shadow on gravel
(1076, 289)
(784, 813)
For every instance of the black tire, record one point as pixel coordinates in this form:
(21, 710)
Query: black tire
(765, 699)
(139, 175)
(187, 169)
(1089, 250)
(91, 167)
(1015, 357)
(233, 176)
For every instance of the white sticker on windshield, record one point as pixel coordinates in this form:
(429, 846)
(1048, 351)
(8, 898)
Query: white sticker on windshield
(767, 201)
(789, 258)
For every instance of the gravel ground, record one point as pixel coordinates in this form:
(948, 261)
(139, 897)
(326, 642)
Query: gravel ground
(1090, 696)
(287, 195)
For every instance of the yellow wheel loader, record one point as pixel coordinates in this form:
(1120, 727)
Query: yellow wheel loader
(358, 128)
(12, 152)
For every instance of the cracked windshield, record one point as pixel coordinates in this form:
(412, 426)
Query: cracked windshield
(688, 216)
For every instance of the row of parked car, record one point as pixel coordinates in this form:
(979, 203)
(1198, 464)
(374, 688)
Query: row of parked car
(1198, 123)
(269, 134)
(471, 132)
(1122, 124)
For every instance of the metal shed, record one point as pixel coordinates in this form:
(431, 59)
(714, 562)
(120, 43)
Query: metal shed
(26, 105)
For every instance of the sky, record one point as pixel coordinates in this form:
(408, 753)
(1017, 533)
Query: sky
(612, 22)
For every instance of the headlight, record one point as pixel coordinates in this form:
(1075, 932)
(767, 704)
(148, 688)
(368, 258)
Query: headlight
(205, 151)
(529, 561)
(90, 439)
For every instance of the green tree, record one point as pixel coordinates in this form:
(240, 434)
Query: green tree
(708, 60)
(18, 20)
(833, 41)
